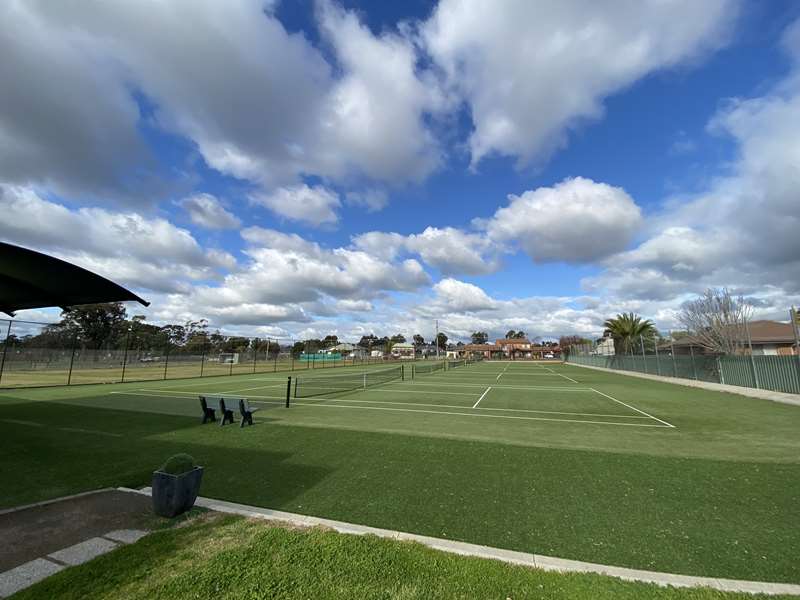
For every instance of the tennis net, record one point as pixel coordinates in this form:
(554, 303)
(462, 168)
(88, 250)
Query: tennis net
(428, 368)
(305, 387)
(452, 364)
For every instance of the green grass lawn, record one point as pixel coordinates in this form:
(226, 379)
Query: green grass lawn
(230, 557)
(717, 493)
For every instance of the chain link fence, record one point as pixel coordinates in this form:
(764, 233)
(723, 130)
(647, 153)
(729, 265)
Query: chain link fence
(649, 356)
(40, 354)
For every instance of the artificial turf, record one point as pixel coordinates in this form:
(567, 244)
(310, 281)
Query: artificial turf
(718, 495)
(234, 558)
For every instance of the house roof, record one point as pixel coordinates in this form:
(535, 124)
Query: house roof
(343, 346)
(761, 332)
(480, 347)
(509, 342)
(403, 345)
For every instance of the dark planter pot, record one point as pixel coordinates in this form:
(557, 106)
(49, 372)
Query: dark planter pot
(175, 494)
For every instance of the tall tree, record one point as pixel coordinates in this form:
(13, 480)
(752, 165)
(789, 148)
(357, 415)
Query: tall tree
(717, 321)
(367, 341)
(419, 340)
(330, 341)
(99, 325)
(479, 337)
(520, 335)
(441, 340)
(511, 334)
(627, 328)
(398, 339)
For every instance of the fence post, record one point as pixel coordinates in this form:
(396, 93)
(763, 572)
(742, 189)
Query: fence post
(166, 361)
(5, 349)
(694, 367)
(72, 357)
(658, 361)
(255, 352)
(795, 319)
(644, 357)
(125, 355)
(719, 370)
(203, 355)
(752, 360)
(674, 366)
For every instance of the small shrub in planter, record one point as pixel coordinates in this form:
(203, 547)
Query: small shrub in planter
(176, 485)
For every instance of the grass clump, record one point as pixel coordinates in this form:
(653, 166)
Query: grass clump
(178, 464)
(233, 558)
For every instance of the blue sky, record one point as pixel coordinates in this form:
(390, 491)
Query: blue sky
(314, 167)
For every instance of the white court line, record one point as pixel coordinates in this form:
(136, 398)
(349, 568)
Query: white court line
(482, 397)
(565, 377)
(636, 409)
(464, 414)
(517, 410)
(260, 387)
(279, 400)
(503, 371)
(501, 386)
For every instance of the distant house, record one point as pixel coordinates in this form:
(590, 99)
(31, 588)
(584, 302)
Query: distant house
(769, 338)
(605, 347)
(403, 350)
(348, 350)
(487, 351)
(426, 350)
(514, 348)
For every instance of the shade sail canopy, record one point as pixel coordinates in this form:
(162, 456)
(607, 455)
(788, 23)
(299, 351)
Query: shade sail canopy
(31, 279)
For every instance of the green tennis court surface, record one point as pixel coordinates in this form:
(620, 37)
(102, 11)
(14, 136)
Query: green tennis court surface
(540, 457)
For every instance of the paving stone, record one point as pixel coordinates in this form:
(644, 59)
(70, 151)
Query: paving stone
(83, 552)
(26, 575)
(125, 536)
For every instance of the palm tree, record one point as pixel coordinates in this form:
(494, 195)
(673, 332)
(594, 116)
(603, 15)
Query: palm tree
(627, 327)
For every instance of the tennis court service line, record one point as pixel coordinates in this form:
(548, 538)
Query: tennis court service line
(634, 408)
(565, 377)
(482, 397)
(503, 371)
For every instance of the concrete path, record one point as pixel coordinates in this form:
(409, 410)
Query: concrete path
(781, 397)
(33, 571)
(548, 563)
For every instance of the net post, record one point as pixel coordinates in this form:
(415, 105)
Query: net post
(255, 353)
(402, 372)
(288, 390)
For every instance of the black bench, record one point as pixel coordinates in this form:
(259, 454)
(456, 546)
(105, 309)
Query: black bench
(226, 410)
(246, 411)
(208, 412)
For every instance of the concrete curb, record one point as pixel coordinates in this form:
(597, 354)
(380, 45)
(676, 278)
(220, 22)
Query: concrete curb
(780, 397)
(547, 563)
(54, 500)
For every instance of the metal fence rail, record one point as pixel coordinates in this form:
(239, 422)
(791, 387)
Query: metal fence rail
(33, 354)
(775, 373)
